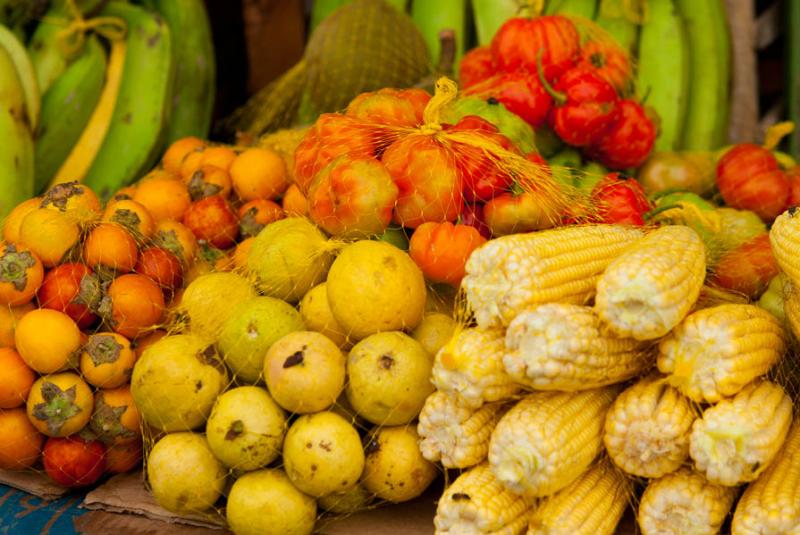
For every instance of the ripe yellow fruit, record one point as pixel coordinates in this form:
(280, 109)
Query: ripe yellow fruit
(322, 454)
(374, 287)
(395, 470)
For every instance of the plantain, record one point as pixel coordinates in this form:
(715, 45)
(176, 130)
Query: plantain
(663, 73)
(433, 17)
(195, 71)
(67, 108)
(22, 63)
(135, 136)
(618, 24)
(91, 139)
(709, 72)
(577, 8)
(48, 47)
(489, 15)
(16, 150)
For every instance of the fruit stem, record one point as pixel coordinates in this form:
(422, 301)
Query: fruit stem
(559, 97)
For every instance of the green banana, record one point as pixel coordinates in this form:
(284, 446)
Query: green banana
(623, 30)
(663, 73)
(433, 17)
(45, 47)
(793, 73)
(19, 56)
(489, 15)
(16, 150)
(709, 72)
(135, 136)
(66, 108)
(579, 8)
(193, 56)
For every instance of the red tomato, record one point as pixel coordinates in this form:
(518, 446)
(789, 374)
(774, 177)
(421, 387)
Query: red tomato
(610, 61)
(212, 220)
(519, 42)
(441, 250)
(628, 141)
(514, 213)
(749, 178)
(162, 266)
(586, 105)
(747, 268)
(482, 175)
(428, 180)
(476, 65)
(521, 93)
(74, 462)
(620, 199)
(65, 289)
(331, 136)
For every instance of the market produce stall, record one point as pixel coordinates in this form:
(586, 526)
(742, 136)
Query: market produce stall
(488, 269)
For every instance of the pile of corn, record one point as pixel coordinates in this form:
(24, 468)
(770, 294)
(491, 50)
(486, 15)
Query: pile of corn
(593, 362)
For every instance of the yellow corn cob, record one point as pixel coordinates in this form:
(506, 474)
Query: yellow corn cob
(647, 428)
(791, 309)
(565, 347)
(684, 502)
(771, 504)
(651, 287)
(548, 439)
(736, 439)
(455, 435)
(593, 504)
(477, 504)
(470, 368)
(716, 351)
(784, 236)
(510, 273)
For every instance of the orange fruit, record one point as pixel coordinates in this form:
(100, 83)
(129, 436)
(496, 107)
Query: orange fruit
(21, 274)
(78, 202)
(191, 163)
(240, 254)
(131, 215)
(21, 445)
(220, 156)
(15, 381)
(259, 174)
(124, 457)
(107, 360)
(176, 238)
(14, 220)
(124, 194)
(49, 234)
(115, 419)
(47, 339)
(209, 180)
(112, 246)
(173, 157)
(60, 405)
(137, 305)
(294, 202)
(165, 197)
(9, 316)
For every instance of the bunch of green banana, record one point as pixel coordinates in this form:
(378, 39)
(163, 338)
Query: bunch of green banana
(114, 100)
(19, 112)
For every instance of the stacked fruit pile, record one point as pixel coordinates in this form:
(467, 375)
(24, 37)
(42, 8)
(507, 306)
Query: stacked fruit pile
(100, 89)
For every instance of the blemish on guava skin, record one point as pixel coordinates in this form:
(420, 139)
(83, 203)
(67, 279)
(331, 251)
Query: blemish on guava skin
(198, 386)
(386, 362)
(294, 359)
